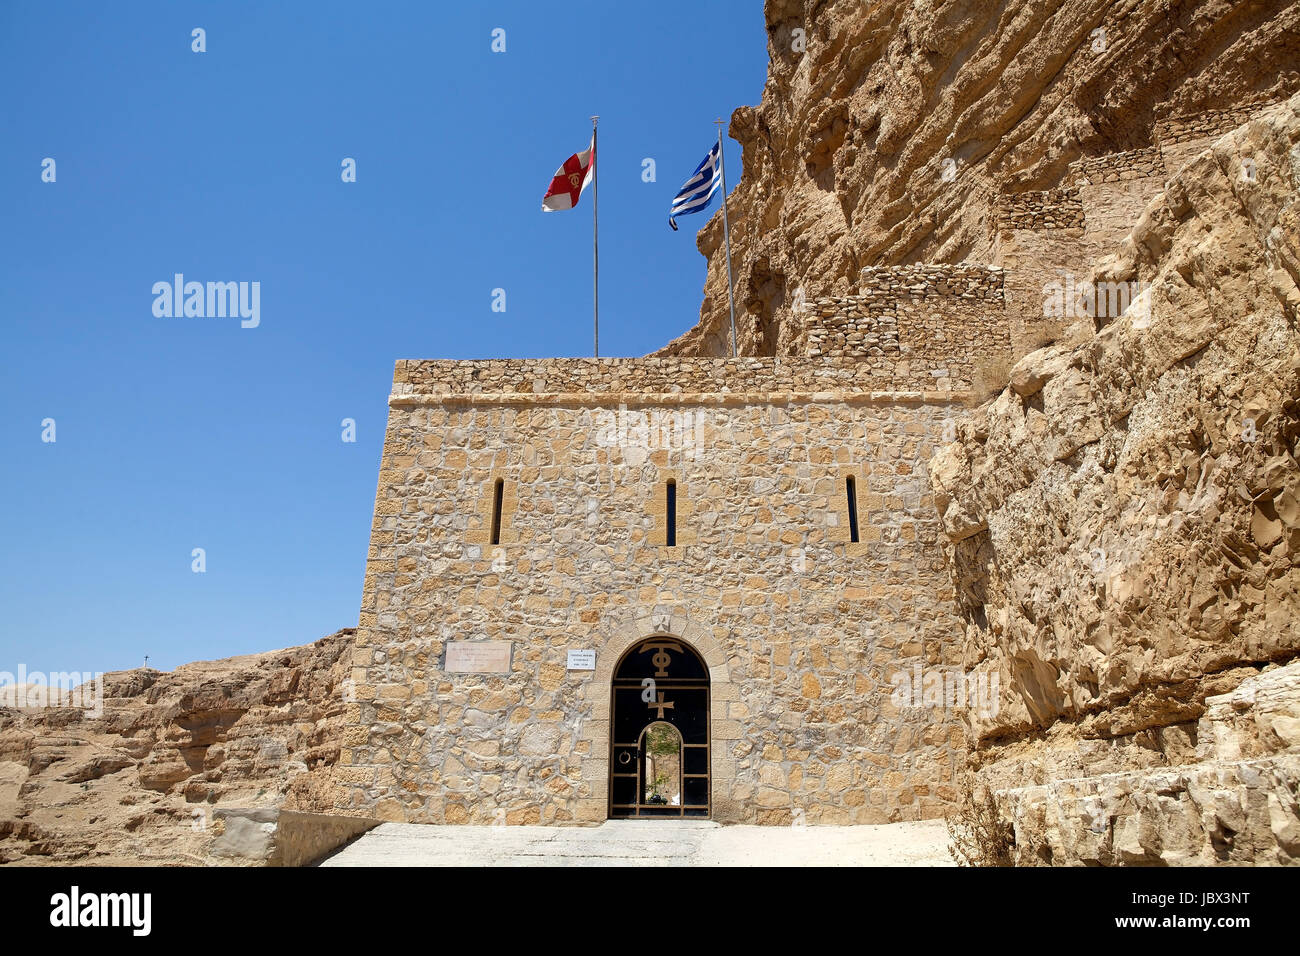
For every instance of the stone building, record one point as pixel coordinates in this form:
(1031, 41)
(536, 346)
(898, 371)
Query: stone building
(744, 549)
(568, 552)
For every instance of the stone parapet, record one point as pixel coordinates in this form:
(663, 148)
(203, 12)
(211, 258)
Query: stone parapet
(842, 325)
(1144, 163)
(1182, 129)
(928, 314)
(930, 280)
(662, 380)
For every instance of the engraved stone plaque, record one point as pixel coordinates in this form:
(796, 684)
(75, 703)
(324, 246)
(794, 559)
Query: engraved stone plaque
(478, 657)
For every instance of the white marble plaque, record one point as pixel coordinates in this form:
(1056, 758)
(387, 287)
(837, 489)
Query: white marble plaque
(478, 657)
(582, 660)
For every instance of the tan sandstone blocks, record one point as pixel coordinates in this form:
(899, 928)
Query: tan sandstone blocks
(801, 630)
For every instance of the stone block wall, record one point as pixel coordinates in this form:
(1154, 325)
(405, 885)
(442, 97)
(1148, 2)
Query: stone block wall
(1195, 126)
(1049, 240)
(807, 634)
(1181, 138)
(927, 324)
(1052, 238)
(1143, 163)
(843, 325)
(1046, 209)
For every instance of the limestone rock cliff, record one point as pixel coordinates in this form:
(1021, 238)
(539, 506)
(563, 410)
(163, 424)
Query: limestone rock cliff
(139, 784)
(888, 131)
(1123, 527)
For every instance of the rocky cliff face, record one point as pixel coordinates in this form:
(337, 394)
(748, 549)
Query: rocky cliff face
(1123, 526)
(1123, 520)
(139, 783)
(887, 130)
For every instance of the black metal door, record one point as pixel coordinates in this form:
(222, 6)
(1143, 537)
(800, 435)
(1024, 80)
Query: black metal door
(660, 679)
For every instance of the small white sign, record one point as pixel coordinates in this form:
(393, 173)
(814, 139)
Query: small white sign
(582, 660)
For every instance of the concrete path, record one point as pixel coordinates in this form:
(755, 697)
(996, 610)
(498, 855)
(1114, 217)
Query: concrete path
(649, 843)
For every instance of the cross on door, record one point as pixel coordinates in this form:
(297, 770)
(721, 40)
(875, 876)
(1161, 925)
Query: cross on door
(661, 704)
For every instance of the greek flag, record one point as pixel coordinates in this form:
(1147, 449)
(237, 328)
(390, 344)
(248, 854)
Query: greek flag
(698, 191)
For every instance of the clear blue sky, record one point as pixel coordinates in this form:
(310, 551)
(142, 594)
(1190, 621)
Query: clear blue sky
(182, 433)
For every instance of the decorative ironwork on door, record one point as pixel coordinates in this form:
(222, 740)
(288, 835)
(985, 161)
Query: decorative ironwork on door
(659, 728)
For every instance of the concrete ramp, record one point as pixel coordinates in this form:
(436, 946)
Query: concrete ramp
(649, 843)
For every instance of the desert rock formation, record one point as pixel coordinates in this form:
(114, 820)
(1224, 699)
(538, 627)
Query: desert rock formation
(1123, 526)
(138, 784)
(868, 104)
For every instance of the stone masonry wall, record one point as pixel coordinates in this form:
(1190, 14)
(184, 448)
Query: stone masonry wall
(1182, 138)
(1051, 238)
(842, 325)
(1141, 163)
(662, 377)
(1195, 126)
(1046, 209)
(929, 323)
(808, 636)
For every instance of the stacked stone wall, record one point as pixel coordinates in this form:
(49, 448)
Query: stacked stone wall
(933, 325)
(1182, 138)
(1130, 164)
(808, 635)
(1045, 209)
(1196, 126)
(653, 379)
(844, 325)
(1051, 239)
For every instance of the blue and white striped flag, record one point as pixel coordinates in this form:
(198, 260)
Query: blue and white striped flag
(698, 191)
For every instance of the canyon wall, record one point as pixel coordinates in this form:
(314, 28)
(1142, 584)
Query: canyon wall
(1123, 526)
(891, 133)
(1121, 518)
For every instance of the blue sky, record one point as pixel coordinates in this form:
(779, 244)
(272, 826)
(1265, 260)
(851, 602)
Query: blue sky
(179, 433)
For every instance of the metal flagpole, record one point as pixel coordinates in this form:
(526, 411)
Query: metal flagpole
(595, 246)
(726, 232)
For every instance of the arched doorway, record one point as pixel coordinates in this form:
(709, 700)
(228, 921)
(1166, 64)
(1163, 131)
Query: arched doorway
(659, 732)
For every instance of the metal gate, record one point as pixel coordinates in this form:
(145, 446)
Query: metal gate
(660, 693)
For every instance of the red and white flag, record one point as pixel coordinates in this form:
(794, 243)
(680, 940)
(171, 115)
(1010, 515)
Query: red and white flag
(571, 179)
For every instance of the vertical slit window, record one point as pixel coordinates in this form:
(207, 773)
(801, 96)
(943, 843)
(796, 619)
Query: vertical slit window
(671, 514)
(498, 493)
(851, 491)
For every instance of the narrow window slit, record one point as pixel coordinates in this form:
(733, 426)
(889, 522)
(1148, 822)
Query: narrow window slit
(498, 493)
(671, 538)
(851, 490)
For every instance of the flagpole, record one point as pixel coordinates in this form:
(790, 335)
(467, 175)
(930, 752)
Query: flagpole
(726, 233)
(595, 245)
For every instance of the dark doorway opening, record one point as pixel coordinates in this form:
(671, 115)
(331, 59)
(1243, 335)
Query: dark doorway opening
(659, 760)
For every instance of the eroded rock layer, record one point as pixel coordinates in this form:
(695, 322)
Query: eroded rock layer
(1123, 526)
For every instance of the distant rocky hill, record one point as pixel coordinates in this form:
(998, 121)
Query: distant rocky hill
(138, 784)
